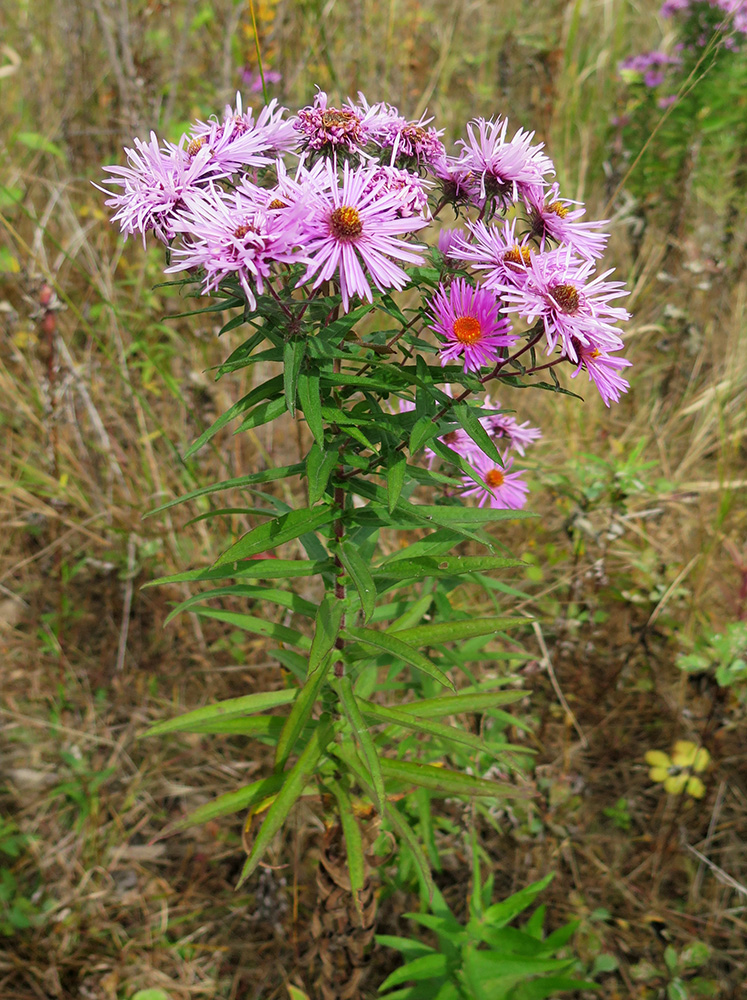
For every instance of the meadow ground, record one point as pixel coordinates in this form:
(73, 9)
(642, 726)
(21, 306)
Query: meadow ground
(638, 556)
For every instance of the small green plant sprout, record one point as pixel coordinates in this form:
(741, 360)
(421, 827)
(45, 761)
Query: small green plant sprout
(678, 972)
(679, 773)
(484, 959)
(17, 911)
(619, 813)
(723, 654)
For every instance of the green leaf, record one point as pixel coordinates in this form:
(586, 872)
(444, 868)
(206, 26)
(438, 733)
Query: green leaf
(451, 517)
(423, 431)
(40, 144)
(357, 569)
(276, 532)
(403, 828)
(504, 912)
(230, 709)
(353, 843)
(254, 725)
(258, 626)
(293, 785)
(266, 476)
(319, 466)
(470, 423)
(391, 644)
(430, 635)
(405, 568)
(445, 783)
(394, 716)
(396, 465)
(233, 802)
(300, 713)
(262, 413)
(473, 701)
(151, 994)
(256, 569)
(363, 737)
(311, 404)
(283, 598)
(427, 967)
(548, 988)
(294, 352)
(268, 389)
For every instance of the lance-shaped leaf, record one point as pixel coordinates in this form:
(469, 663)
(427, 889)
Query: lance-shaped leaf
(414, 569)
(276, 532)
(258, 626)
(407, 720)
(262, 413)
(431, 635)
(293, 785)
(265, 476)
(396, 466)
(388, 643)
(233, 802)
(293, 355)
(353, 843)
(453, 517)
(357, 569)
(283, 598)
(443, 782)
(363, 737)
(319, 466)
(472, 701)
(262, 726)
(257, 569)
(435, 966)
(311, 404)
(423, 431)
(264, 391)
(470, 423)
(231, 709)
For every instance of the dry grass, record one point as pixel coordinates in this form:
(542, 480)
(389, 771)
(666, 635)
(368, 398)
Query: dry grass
(98, 406)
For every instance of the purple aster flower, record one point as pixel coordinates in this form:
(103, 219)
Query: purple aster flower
(498, 251)
(504, 169)
(456, 178)
(574, 309)
(506, 427)
(254, 80)
(236, 236)
(240, 140)
(603, 371)
(502, 488)
(155, 184)
(553, 217)
(447, 238)
(324, 127)
(408, 188)
(467, 318)
(410, 140)
(353, 224)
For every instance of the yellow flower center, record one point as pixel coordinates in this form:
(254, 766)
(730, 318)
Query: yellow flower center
(336, 118)
(467, 329)
(517, 255)
(416, 133)
(346, 223)
(241, 231)
(566, 297)
(593, 355)
(558, 208)
(277, 203)
(494, 478)
(195, 146)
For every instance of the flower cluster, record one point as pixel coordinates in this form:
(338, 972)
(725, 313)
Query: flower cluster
(679, 773)
(336, 200)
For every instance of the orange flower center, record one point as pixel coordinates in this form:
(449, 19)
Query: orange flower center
(195, 146)
(558, 208)
(241, 231)
(467, 329)
(346, 223)
(416, 133)
(277, 203)
(593, 355)
(494, 478)
(517, 255)
(335, 118)
(566, 297)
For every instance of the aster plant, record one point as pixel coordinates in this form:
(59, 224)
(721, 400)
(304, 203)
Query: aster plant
(320, 235)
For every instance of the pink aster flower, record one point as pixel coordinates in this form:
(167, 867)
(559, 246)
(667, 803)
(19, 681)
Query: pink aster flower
(467, 318)
(553, 217)
(506, 428)
(603, 371)
(236, 236)
(351, 226)
(505, 169)
(502, 488)
(155, 184)
(241, 140)
(408, 188)
(456, 178)
(409, 140)
(324, 127)
(496, 250)
(574, 307)
(447, 239)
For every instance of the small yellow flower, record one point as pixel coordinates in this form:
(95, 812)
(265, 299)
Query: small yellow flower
(676, 772)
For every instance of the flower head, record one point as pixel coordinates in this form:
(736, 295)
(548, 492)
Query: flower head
(678, 773)
(326, 128)
(467, 318)
(408, 188)
(354, 225)
(504, 169)
(603, 370)
(574, 307)
(241, 140)
(501, 488)
(555, 218)
(497, 250)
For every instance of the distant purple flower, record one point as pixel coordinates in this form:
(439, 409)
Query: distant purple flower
(235, 236)
(666, 102)
(603, 371)
(155, 184)
(574, 307)
(468, 319)
(555, 218)
(353, 224)
(498, 251)
(407, 187)
(502, 489)
(324, 127)
(503, 169)
(253, 80)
